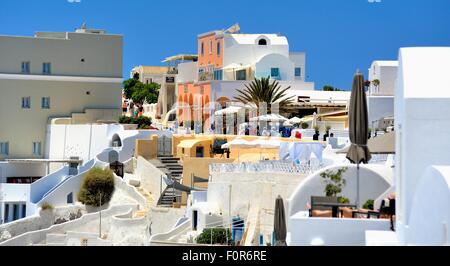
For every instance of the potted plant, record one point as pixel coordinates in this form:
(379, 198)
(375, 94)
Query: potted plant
(46, 211)
(304, 125)
(317, 129)
(334, 181)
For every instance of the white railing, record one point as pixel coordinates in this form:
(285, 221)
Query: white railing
(267, 167)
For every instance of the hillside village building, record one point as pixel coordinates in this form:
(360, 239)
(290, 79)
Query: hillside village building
(73, 75)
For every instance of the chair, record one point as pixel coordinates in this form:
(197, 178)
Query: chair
(385, 210)
(333, 141)
(322, 211)
(216, 148)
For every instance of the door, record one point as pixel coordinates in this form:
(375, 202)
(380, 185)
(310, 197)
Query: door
(164, 146)
(200, 152)
(194, 220)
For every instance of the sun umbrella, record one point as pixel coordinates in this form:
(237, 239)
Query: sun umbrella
(269, 118)
(358, 127)
(238, 144)
(279, 224)
(295, 120)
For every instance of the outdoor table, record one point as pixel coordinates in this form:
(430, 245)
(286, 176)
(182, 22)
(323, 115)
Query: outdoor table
(335, 206)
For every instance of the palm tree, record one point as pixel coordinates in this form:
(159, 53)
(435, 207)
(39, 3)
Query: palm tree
(264, 91)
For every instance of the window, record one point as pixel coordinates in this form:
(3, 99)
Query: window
(24, 210)
(275, 72)
(26, 102)
(210, 46)
(218, 75)
(4, 148)
(16, 212)
(46, 68)
(241, 75)
(70, 198)
(26, 67)
(37, 148)
(45, 103)
(203, 48)
(262, 42)
(218, 48)
(298, 71)
(6, 214)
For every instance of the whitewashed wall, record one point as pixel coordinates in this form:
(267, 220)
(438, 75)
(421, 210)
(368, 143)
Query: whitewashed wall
(374, 180)
(285, 65)
(430, 213)
(8, 169)
(422, 104)
(332, 231)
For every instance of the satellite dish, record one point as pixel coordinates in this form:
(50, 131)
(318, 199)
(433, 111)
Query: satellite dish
(234, 29)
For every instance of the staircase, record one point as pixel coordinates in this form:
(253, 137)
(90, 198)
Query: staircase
(149, 199)
(173, 169)
(168, 197)
(173, 166)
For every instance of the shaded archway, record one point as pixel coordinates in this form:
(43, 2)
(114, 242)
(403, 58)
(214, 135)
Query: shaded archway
(116, 141)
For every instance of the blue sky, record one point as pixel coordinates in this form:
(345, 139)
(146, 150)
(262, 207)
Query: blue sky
(338, 36)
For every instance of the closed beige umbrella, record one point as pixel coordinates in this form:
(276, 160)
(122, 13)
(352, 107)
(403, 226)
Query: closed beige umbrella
(358, 127)
(279, 224)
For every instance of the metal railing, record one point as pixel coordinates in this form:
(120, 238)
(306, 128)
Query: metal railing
(267, 167)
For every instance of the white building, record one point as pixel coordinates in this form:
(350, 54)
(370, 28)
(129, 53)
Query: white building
(229, 60)
(75, 75)
(380, 98)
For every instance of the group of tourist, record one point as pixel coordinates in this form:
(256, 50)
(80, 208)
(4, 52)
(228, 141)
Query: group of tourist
(134, 110)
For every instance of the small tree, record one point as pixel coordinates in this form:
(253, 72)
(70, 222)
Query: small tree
(328, 88)
(327, 128)
(334, 182)
(140, 92)
(97, 187)
(218, 236)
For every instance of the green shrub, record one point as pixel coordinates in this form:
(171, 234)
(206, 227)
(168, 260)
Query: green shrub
(368, 205)
(305, 125)
(344, 200)
(327, 128)
(143, 121)
(220, 236)
(97, 186)
(46, 206)
(317, 128)
(125, 120)
(334, 182)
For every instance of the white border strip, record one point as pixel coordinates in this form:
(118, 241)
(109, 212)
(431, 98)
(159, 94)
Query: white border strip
(60, 78)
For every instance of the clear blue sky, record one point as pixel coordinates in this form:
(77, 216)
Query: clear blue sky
(338, 36)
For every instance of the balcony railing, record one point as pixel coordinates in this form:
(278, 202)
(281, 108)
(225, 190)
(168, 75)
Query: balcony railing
(267, 167)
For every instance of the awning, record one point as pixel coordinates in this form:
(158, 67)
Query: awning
(181, 57)
(384, 144)
(235, 66)
(238, 143)
(229, 110)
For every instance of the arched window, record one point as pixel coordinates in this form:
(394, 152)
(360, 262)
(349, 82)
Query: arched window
(262, 42)
(116, 141)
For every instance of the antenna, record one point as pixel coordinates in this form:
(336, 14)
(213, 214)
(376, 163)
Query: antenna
(234, 29)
